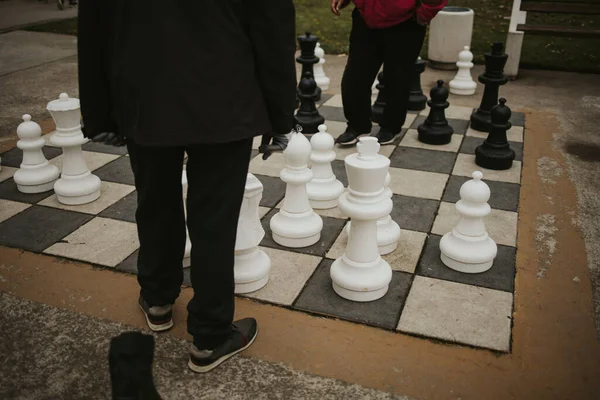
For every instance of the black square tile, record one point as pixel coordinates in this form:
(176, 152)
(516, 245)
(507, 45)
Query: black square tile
(38, 227)
(123, 209)
(517, 118)
(118, 171)
(324, 98)
(318, 296)
(253, 154)
(14, 156)
(414, 213)
(273, 190)
(505, 196)
(423, 159)
(470, 143)
(331, 229)
(332, 113)
(104, 148)
(9, 191)
(129, 264)
(339, 170)
(459, 125)
(500, 277)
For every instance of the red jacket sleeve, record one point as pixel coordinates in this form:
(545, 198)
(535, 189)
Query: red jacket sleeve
(429, 9)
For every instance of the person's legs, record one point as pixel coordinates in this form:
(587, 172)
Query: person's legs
(402, 45)
(364, 60)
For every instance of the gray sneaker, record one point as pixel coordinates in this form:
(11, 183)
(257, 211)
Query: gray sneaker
(159, 318)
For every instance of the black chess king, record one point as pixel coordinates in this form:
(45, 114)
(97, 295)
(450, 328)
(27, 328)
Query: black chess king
(308, 59)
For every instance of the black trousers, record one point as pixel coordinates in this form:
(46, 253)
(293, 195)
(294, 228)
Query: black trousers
(216, 181)
(397, 48)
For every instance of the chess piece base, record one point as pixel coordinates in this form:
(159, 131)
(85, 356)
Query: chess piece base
(323, 82)
(251, 270)
(495, 159)
(296, 230)
(359, 282)
(31, 189)
(481, 120)
(78, 189)
(436, 135)
(467, 254)
(417, 102)
(323, 194)
(310, 122)
(461, 90)
(36, 179)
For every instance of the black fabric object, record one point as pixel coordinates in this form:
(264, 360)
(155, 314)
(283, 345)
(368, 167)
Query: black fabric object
(493, 77)
(417, 101)
(435, 129)
(194, 72)
(216, 176)
(130, 357)
(495, 152)
(396, 48)
(308, 116)
(308, 59)
(379, 106)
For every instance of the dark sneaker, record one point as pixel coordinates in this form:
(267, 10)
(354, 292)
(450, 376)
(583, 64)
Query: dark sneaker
(243, 335)
(159, 318)
(349, 137)
(385, 136)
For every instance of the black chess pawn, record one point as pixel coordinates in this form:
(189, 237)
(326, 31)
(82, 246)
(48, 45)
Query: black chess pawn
(492, 78)
(379, 105)
(435, 129)
(495, 152)
(308, 116)
(417, 100)
(308, 59)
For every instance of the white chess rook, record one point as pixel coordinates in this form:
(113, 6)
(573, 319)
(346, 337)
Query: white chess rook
(252, 265)
(388, 231)
(468, 247)
(463, 84)
(324, 189)
(77, 185)
(319, 73)
(36, 174)
(188, 243)
(361, 274)
(296, 224)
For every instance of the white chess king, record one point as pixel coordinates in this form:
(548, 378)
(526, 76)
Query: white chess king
(361, 274)
(36, 174)
(319, 73)
(296, 224)
(252, 265)
(468, 247)
(463, 83)
(324, 189)
(77, 185)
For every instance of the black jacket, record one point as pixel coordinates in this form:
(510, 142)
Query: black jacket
(182, 72)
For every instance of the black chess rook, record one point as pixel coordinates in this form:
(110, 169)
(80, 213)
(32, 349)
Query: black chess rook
(495, 152)
(308, 116)
(379, 105)
(308, 59)
(436, 130)
(417, 100)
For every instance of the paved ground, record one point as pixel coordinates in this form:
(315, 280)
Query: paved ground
(19, 13)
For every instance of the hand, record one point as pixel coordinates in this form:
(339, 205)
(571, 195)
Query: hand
(273, 143)
(109, 138)
(337, 5)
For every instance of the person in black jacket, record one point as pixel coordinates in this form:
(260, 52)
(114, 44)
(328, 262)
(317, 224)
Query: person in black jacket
(199, 77)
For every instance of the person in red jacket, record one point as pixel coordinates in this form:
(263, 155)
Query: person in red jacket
(388, 32)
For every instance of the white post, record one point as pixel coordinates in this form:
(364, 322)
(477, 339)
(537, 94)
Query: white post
(514, 40)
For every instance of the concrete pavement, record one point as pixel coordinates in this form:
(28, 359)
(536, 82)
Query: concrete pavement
(16, 14)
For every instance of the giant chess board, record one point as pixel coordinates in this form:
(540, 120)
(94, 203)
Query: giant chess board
(425, 297)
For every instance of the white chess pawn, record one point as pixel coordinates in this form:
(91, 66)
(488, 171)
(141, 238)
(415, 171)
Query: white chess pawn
(361, 274)
(463, 83)
(468, 247)
(252, 265)
(319, 73)
(324, 189)
(36, 174)
(188, 243)
(77, 185)
(388, 231)
(296, 224)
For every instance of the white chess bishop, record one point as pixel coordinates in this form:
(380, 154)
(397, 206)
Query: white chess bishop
(463, 83)
(361, 274)
(252, 265)
(77, 185)
(468, 247)
(188, 243)
(324, 189)
(319, 73)
(36, 174)
(296, 224)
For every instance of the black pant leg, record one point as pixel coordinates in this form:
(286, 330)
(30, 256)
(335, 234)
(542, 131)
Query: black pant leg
(160, 221)
(402, 45)
(364, 60)
(216, 183)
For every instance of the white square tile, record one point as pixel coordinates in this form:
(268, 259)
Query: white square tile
(454, 112)
(411, 139)
(408, 182)
(270, 167)
(93, 160)
(335, 128)
(256, 142)
(289, 273)
(262, 211)
(410, 118)
(101, 241)
(335, 101)
(514, 134)
(9, 208)
(501, 225)
(7, 173)
(465, 165)
(109, 195)
(459, 313)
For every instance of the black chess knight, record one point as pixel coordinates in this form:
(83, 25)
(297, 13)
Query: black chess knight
(435, 130)
(495, 153)
(308, 59)
(308, 116)
(379, 105)
(492, 78)
(417, 100)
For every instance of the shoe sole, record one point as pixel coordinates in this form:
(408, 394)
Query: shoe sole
(154, 327)
(202, 369)
(392, 140)
(354, 141)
